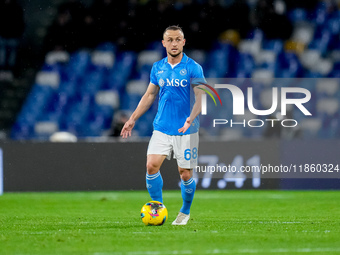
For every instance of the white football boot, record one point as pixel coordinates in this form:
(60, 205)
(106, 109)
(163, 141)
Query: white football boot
(182, 219)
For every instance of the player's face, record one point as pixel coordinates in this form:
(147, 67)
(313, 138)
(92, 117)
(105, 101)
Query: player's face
(173, 41)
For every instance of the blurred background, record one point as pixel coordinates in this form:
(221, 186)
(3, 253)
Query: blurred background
(82, 66)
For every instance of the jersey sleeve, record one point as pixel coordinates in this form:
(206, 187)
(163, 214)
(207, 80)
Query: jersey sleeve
(153, 78)
(197, 76)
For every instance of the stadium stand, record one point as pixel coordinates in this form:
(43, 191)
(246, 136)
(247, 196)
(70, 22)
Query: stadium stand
(81, 91)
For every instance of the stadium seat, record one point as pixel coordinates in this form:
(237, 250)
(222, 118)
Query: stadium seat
(144, 125)
(321, 41)
(79, 92)
(266, 59)
(78, 64)
(297, 15)
(103, 58)
(198, 55)
(251, 47)
(48, 79)
(256, 35)
(130, 101)
(101, 114)
(273, 45)
(54, 57)
(319, 14)
(45, 128)
(290, 64)
(148, 57)
(327, 87)
(122, 70)
(303, 33)
(21, 131)
(329, 106)
(263, 76)
(92, 81)
(137, 87)
(310, 58)
(333, 25)
(68, 88)
(108, 97)
(245, 64)
(310, 127)
(219, 61)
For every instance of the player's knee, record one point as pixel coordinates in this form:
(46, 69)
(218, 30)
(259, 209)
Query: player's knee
(151, 167)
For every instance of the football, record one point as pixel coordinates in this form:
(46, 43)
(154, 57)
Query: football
(154, 213)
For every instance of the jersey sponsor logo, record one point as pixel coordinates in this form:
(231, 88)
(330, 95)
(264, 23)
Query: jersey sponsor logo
(161, 71)
(176, 82)
(161, 82)
(183, 72)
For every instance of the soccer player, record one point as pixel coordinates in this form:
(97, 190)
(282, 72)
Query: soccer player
(176, 124)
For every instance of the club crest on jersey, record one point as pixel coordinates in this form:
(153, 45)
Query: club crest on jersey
(183, 72)
(161, 82)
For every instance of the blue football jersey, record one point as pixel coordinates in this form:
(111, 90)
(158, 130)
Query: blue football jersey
(176, 96)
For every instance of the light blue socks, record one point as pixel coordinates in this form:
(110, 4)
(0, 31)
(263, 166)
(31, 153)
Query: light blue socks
(188, 190)
(154, 184)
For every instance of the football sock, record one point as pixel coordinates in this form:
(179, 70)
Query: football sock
(154, 184)
(188, 190)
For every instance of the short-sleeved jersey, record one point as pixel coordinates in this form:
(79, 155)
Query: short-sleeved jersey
(176, 86)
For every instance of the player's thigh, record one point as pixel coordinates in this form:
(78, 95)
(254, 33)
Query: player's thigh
(186, 151)
(159, 148)
(160, 144)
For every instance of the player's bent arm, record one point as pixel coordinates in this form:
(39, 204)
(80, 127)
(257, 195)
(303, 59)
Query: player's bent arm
(143, 105)
(146, 101)
(196, 109)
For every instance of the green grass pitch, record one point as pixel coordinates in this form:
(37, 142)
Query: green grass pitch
(222, 222)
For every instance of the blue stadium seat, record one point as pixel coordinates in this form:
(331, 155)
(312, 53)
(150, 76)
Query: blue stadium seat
(21, 131)
(36, 102)
(130, 101)
(289, 65)
(274, 45)
(78, 64)
(98, 121)
(106, 112)
(122, 70)
(144, 125)
(92, 81)
(219, 61)
(245, 64)
(319, 15)
(297, 15)
(256, 34)
(321, 41)
(68, 87)
(75, 118)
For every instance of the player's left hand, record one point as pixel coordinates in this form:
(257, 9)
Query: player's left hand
(186, 126)
(126, 130)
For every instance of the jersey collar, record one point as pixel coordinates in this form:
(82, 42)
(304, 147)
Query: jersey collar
(184, 59)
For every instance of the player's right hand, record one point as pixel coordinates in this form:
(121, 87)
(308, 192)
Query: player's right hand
(126, 130)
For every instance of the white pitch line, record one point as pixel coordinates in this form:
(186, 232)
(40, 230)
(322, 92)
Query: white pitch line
(224, 251)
